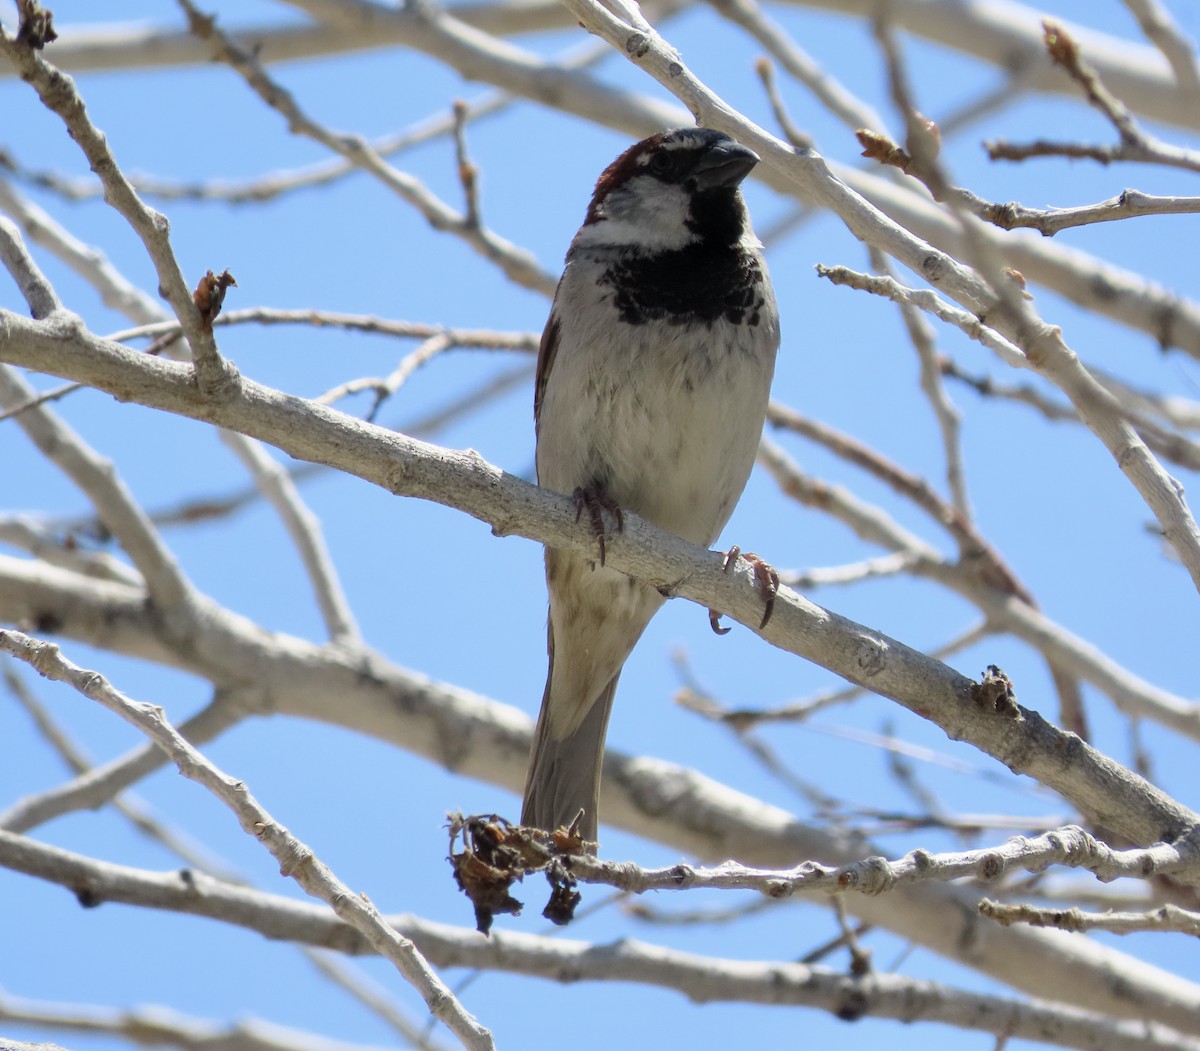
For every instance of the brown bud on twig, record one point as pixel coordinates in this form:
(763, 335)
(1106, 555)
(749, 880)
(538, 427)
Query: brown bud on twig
(880, 148)
(210, 294)
(1060, 45)
(497, 854)
(36, 25)
(1018, 279)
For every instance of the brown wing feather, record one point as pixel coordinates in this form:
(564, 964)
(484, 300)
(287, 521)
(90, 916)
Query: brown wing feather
(547, 351)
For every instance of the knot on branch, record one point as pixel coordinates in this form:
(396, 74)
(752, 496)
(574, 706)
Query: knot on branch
(871, 876)
(991, 866)
(995, 691)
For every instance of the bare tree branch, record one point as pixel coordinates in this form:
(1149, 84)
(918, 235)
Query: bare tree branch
(1064, 846)
(701, 978)
(996, 31)
(165, 581)
(168, 1028)
(1049, 355)
(295, 858)
(58, 94)
(408, 467)
(944, 512)
(1169, 918)
(1164, 33)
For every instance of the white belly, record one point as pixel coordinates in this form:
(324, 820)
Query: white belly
(668, 424)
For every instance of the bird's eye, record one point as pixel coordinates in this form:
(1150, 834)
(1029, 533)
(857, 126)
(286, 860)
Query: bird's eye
(661, 163)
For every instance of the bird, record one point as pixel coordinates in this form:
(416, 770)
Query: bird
(653, 378)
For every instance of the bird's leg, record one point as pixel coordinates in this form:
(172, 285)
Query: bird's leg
(768, 586)
(597, 501)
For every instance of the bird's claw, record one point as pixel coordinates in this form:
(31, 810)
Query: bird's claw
(714, 622)
(597, 501)
(768, 586)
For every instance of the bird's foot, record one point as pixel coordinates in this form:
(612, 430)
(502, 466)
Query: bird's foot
(768, 586)
(597, 501)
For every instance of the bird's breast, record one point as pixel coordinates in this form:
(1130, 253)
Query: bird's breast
(663, 407)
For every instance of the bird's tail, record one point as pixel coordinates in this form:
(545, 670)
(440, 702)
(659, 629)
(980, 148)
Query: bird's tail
(564, 772)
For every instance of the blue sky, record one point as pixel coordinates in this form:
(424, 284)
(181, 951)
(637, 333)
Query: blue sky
(434, 591)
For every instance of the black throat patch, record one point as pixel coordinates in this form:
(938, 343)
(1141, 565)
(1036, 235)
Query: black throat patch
(701, 282)
(711, 279)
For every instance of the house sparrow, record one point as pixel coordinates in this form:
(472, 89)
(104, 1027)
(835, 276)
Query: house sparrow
(652, 386)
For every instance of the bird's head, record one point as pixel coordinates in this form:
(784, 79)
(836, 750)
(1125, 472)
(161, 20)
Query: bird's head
(669, 191)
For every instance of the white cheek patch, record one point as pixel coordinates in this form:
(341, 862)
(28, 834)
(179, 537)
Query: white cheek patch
(647, 213)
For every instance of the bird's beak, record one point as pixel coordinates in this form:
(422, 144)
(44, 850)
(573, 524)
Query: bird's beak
(724, 165)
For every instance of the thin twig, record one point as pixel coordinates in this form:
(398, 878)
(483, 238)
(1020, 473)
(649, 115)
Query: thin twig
(270, 186)
(1166, 35)
(701, 978)
(62, 547)
(153, 1025)
(1135, 143)
(848, 573)
(38, 292)
(1069, 846)
(385, 387)
(1050, 356)
(693, 697)
(61, 445)
(794, 60)
(947, 414)
(130, 806)
(295, 858)
(766, 73)
(484, 339)
(44, 398)
(1127, 204)
(1166, 918)
(195, 856)
(972, 546)
(1136, 405)
(468, 172)
(304, 529)
(59, 95)
(517, 264)
(99, 785)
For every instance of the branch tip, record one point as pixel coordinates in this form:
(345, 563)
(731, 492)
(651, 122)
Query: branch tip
(36, 28)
